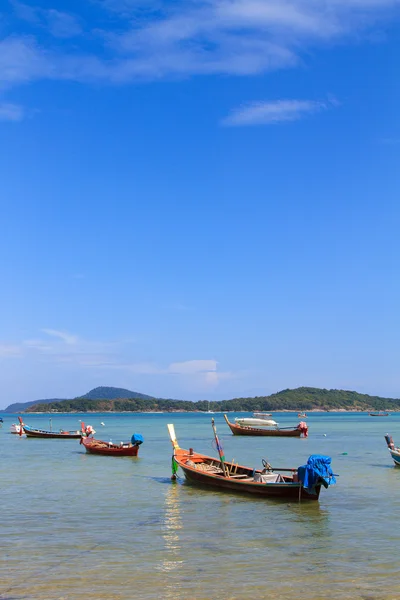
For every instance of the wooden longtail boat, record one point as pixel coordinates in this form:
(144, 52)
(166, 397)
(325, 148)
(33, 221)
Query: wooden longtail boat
(379, 413)
(394, 451)
(275, 432)
(61, 434)
(289, 484)
(131, 448)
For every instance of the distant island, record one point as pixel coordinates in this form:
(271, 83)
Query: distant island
(111, 399)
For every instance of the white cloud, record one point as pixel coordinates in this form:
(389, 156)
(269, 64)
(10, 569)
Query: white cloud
(23, 60)
(201, 373)
(268, 113)
(156, 39)
(62, 348)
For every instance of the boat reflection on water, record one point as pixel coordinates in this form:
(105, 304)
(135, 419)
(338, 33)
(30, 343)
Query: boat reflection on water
(171, 564)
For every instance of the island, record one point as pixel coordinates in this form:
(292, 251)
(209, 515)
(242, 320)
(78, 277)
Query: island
(111, 399)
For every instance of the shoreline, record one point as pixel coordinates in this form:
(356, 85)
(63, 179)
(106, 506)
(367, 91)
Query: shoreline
(200, 412)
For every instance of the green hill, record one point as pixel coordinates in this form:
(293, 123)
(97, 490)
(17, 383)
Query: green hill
(303, 398)
(99, 393)
(110, 393)
(23, 406)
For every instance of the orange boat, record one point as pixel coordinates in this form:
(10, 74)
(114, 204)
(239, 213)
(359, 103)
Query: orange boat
(303, 483)
(131, 448)
(236, 429)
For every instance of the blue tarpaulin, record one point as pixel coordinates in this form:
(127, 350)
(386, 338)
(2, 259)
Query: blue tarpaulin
(317, 470)
(137, 439)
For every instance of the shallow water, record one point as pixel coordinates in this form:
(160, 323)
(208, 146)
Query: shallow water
(76, 525)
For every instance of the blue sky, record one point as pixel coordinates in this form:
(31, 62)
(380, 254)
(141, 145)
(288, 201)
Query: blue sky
(199, 199)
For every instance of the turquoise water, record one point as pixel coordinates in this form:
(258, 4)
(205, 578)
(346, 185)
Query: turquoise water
(75, 525)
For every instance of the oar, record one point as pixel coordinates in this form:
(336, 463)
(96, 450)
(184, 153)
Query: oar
(220, 450)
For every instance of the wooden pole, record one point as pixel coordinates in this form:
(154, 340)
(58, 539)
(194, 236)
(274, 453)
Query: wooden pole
(220, 450)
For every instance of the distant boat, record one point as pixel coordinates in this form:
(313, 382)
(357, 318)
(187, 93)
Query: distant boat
(15, 428)
(61, 434)
(394, 452)
(262, 415)
(238, 429)
(131, 448)
(302, 483)
(211, 412)
(302, 415)
(379, 413)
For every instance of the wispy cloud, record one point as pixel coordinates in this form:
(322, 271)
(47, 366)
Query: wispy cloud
(57, 23)
(193, 366)
(68, 338)
(11, 112)
(63, 348)
(270, 113)
(155, 39)
(10, 351)
(203, 372)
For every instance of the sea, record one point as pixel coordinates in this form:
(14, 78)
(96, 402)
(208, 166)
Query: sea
(75, 525)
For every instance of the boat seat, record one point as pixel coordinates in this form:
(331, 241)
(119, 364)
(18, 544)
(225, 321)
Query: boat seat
(238, 476)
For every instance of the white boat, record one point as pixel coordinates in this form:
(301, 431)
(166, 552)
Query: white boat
(394, 451)
(262, 415)
(256, 422)
(15, 428)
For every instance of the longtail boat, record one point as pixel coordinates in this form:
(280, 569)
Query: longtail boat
(303, 483)
(131, 448)
(394, 451)
(61, 434)
(379, 413)
(238, 429)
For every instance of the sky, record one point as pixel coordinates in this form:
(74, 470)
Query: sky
(199, 199)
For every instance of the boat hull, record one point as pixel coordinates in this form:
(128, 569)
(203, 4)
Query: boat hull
(286, 490)
(395, 454)
(257, 431)
(378, 414)
(63, 435)
(102, 448)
